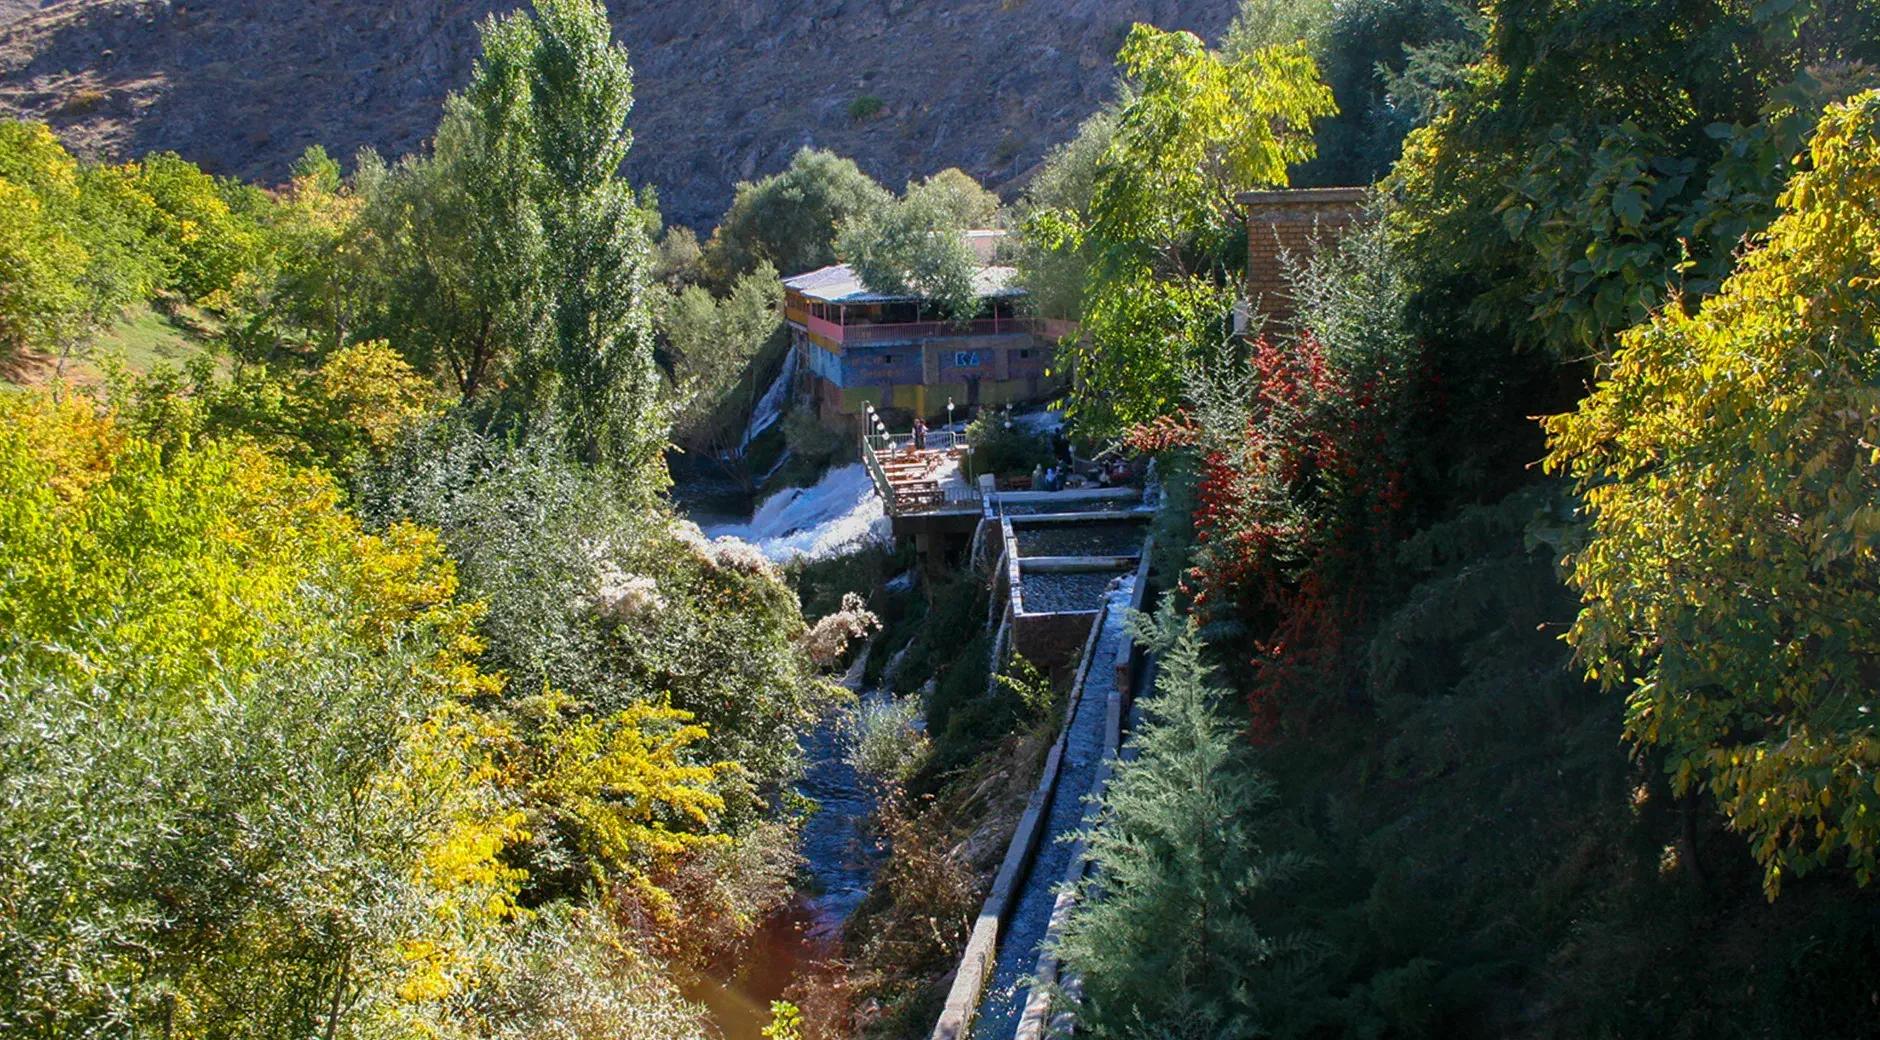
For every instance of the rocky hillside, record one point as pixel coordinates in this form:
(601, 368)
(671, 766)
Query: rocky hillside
(14, 10)
(728, 89)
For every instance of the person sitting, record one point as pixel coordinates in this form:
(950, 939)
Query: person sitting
(1051, 479)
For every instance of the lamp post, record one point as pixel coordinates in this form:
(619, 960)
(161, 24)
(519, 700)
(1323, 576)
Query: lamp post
(953, 436)
(868, 422)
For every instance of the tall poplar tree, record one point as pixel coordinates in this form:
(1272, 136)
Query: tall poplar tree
(520, 254)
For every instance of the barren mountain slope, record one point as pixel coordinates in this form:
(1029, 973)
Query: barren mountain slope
(14, 10)
(728, 89)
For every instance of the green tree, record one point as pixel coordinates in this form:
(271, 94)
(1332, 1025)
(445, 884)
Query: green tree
(460, 249)
(241, 786)
(1602, 159)
(713, 343)
(1165, 940)
(1163, 228)
(77, 244)
(916, 246)
(678, 259)
(40, 268)
(966, 201)
(1269, 23)
(211, 242)
(1060, 195)
(592, 591)
(1728, 466)
(1363, 50)
(321, 169)
(521, 255)
(581, 90)
(791, 218)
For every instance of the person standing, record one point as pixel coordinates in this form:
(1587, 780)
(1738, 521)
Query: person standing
(920, 434)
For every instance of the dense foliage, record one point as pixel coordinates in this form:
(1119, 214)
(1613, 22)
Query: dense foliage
(713, 343)
(518, 257)
(81, 241)
(1598, 156)
(249, 790)
(1634, 215)
(1192, 131)
(791, 219)
(1377, 56)
(1727, 462)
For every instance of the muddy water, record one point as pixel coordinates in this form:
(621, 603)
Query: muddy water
(839, 864)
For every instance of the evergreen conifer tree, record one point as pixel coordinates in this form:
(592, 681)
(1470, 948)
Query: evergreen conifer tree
(1164, 940)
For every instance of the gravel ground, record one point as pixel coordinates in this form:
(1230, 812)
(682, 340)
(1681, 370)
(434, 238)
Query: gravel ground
(1108, 538)
(1048, 592)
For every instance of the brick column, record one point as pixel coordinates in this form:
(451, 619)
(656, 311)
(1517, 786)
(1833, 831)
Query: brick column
(1293, 222)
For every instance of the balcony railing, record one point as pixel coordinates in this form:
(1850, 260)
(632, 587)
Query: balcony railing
(894, 332)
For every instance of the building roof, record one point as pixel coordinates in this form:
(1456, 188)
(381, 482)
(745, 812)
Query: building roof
(840, 284)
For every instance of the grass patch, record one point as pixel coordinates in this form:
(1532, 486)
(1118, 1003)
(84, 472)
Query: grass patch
(142, 340)
(145, 339)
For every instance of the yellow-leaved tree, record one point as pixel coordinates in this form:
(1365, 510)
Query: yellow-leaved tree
(1730, 466)
(250, 795)
(257, 782)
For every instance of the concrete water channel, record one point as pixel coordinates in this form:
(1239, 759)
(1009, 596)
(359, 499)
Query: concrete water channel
(1071, 568)
(1085, 746)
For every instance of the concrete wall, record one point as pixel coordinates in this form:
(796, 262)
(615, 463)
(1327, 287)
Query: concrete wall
(1051, 641)
(919, 377)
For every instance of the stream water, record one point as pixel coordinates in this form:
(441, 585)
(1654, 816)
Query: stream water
(769, 408)
(839, 514)
(839, 862)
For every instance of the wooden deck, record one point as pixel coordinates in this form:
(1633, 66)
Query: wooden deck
(919, 480)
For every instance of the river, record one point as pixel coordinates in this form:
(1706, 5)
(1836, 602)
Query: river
(839, 862)
(839, 514)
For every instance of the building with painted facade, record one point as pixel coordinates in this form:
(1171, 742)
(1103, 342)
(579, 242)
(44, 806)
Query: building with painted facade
(857, 348)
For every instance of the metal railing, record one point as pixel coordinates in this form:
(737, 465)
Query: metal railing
(882, 450)
(881, 332)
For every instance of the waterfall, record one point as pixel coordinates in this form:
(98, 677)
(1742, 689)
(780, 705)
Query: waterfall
(841, 513)
(770, 406)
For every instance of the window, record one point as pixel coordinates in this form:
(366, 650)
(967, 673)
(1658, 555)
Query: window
(1024, 354)
(887, 359)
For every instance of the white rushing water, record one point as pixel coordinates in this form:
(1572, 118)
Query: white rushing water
(770, 406)
(840, 514)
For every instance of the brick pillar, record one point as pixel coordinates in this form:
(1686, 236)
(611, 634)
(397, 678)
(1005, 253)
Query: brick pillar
(1293, 222)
